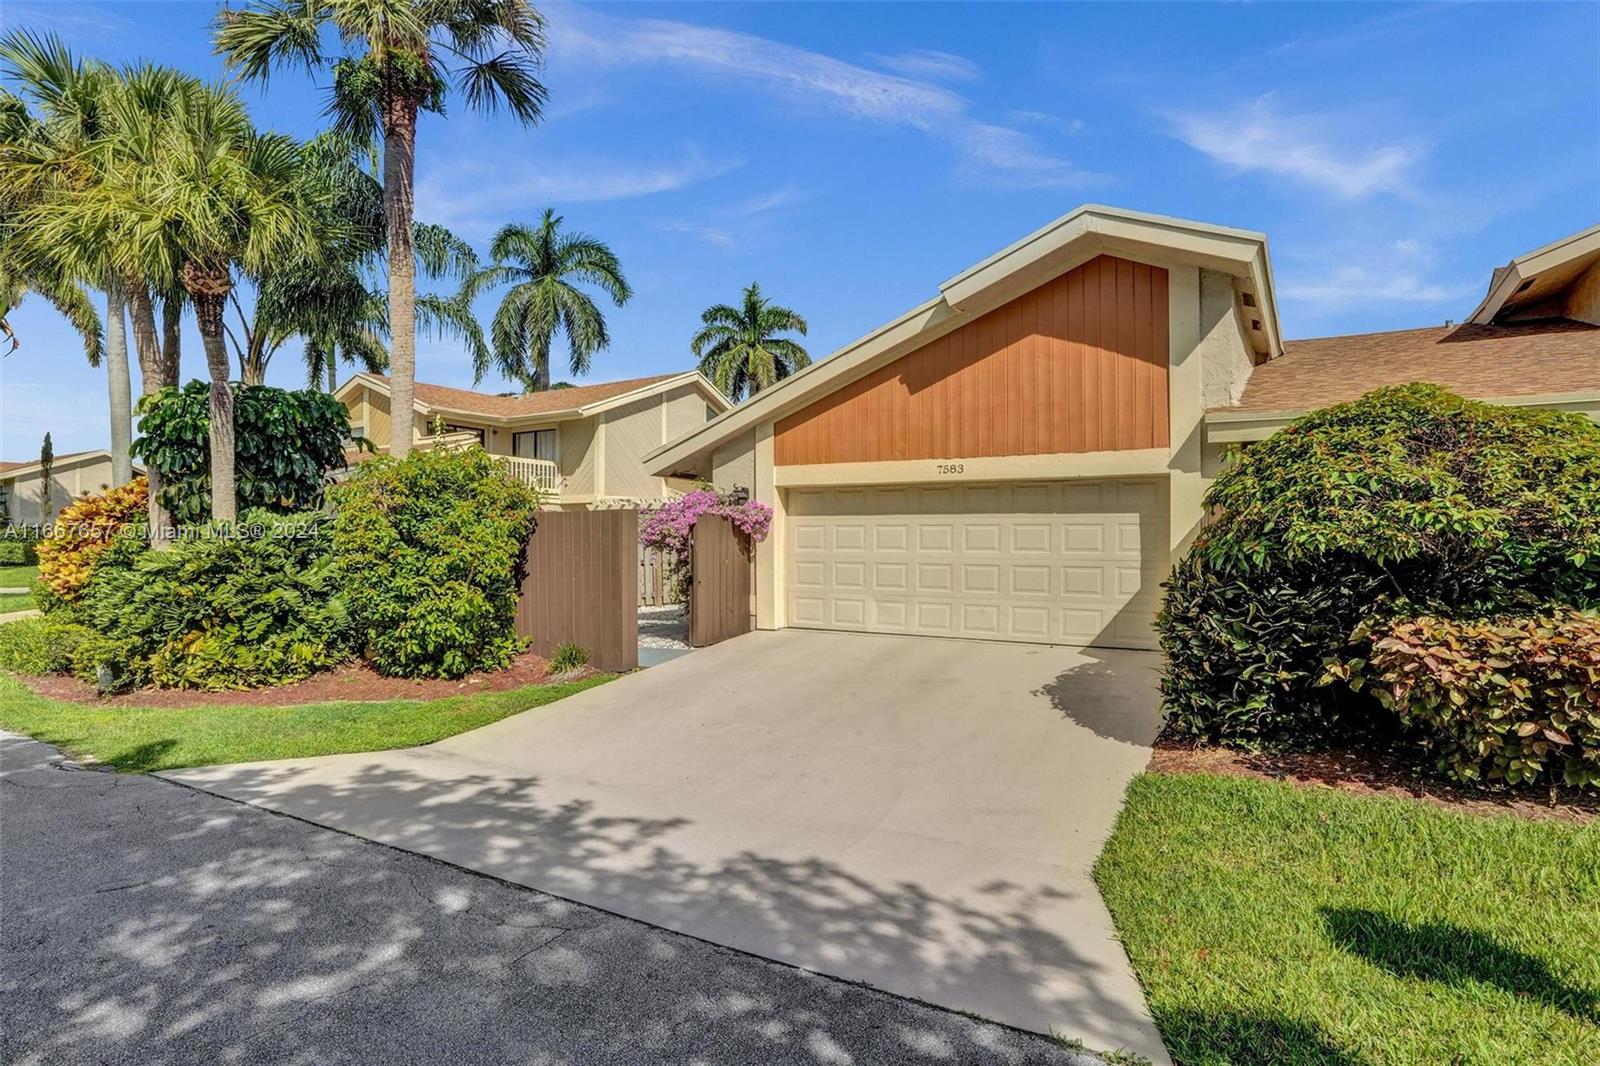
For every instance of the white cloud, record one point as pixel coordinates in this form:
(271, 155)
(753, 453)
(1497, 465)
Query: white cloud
(1044, 118)
(476, 195)
(1354, 286)
(810, 79)
(1256, 137)
(931, 64)
(712, 235)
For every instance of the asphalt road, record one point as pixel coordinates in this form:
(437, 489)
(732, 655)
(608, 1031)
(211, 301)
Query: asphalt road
(143, 922)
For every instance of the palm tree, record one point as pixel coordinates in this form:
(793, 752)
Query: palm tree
(739, 348)
(71, 96)
(542, 264)
(73, 218)
(333, 301)
(219, 194)
(406, 54)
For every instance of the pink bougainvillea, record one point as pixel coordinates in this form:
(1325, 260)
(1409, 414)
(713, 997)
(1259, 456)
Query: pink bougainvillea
(667, 528)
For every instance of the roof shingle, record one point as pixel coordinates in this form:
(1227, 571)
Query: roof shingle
(550, 402)
(1547, 357)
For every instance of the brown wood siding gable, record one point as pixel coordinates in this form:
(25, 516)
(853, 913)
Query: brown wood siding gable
(1078, 364)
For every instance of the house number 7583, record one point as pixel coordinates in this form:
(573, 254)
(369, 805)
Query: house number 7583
(950, 468)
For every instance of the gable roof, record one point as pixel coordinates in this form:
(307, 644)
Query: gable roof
(1548, 357)
(577, 401)
(1072, 239)
(69, 459)
(1529, 279)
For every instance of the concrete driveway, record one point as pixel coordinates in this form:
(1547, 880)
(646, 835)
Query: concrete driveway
(918, 815)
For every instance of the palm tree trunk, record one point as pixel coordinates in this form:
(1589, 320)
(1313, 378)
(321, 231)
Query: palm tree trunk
(171, 339)
(333, 369)
(399, 201)
(151, 368)
(119, 387)
(208, 290)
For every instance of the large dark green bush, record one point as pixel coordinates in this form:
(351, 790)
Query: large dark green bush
(429, 550)
(1408, 500)
(257, 604)
(285, 445)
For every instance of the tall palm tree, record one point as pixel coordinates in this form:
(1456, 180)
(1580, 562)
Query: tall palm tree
(66, 224)
(739, 348)
(217, 195)
(71, 95)
(405, 56)
(333, 301)
(543, 264)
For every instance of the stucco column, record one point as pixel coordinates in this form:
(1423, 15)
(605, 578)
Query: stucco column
(769, 553)
(1186, 408)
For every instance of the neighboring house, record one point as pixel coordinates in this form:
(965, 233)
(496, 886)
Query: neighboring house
(582, 447)
(72, 475)
(1022, 456)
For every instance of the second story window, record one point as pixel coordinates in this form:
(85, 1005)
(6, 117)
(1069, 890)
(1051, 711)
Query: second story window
(535, 444)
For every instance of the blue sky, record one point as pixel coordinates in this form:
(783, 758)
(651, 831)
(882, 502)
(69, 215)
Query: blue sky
(850, 157)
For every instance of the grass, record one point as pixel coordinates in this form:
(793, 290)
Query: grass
(17, 577)
(1271, 924)
(149, 738)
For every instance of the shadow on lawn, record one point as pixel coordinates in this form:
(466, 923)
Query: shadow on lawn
(1234, 1036)
(1451, 954)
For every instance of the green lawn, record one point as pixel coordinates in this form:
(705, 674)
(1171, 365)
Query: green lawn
(19, 577)
(1271, 924)
(143, 738)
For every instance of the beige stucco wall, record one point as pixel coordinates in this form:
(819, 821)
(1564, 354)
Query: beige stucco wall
(576, 455)
(68, 481)
(1225, 356)
(1583, 297)
(734, 464)
(631, 431)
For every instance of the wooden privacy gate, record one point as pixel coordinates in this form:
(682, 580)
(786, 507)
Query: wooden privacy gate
(582, 586)
(719, 598)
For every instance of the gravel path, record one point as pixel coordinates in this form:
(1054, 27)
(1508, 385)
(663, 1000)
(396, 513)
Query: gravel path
(664, 627)
(148, 923)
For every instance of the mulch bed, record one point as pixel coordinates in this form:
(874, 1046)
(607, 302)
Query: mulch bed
(1372, 774)
(353, 681)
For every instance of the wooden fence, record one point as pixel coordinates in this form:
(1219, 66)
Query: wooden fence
(654, 588)
(579, 586)
(719, 599)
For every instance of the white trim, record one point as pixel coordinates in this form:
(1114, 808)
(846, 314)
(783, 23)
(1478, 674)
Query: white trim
(1134, 462)
(1072, 239)
(1234, 427)
(563, 414)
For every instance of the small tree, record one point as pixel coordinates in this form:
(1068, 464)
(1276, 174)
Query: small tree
(286, 443)
(47, 462)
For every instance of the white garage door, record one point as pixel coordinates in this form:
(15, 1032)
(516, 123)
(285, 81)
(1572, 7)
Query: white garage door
(1063, 562)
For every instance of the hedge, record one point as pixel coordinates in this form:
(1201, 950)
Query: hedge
(1509, 699)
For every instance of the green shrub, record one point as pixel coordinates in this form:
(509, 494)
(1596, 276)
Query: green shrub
(285, 443)
(430, 549)
(39, 645)
(1512, 699)
(111, 664)
(258, 604)
(568, 656)
(1409, 500)
(18, 545)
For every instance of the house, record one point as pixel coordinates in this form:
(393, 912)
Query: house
(72, 475)
(582, 447)
(1022, 456)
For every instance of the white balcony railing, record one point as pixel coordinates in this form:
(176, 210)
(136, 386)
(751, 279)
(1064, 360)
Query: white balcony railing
(540, 474)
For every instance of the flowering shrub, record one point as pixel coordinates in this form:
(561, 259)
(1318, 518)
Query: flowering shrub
(668, 528)
(83, 530)
(1514, 699)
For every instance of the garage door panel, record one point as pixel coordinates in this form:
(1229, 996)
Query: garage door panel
(1049, 562)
